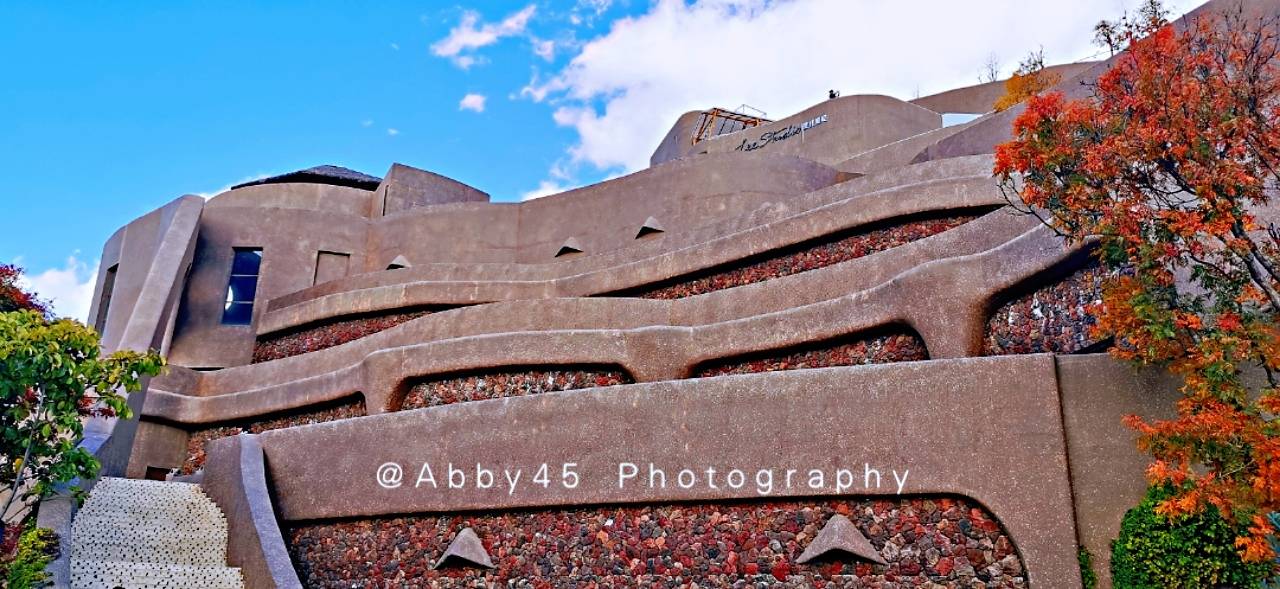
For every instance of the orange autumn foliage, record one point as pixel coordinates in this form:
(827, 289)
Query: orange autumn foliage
(1165, 169)
(1029, 80)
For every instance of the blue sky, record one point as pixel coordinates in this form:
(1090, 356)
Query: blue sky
(109, 110)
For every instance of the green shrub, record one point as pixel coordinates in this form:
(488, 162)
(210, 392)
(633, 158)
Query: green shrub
(1087, 577)
(36, 549)
(1191, 552)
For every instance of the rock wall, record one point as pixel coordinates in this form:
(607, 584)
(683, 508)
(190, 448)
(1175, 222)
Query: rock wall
(196, 443)
(806, 257)
(514, 383)
(881, 349)
(926, 541)
(1056, 317)
(327, 335)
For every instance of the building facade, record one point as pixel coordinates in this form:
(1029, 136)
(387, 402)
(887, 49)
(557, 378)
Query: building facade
(817, 351)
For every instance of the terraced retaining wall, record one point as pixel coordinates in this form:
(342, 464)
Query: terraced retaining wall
(328, 334)
(950, 427)
(499, 384)
(874, 349)
(200, 438)
(1053, 317)
(926, 541)
(804, 257)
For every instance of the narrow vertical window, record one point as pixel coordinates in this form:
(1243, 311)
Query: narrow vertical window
(242, 286)
(104, 301)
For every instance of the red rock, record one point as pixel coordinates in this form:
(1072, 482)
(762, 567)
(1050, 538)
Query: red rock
(944, 566)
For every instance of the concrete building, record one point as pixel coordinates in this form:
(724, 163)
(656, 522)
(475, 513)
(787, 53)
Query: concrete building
(822, 336)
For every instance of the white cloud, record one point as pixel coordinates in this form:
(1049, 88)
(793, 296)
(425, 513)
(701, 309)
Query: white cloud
(69, 289)
(593, 8)
(596, 6)
(544, 48)
(392, 131)
(395, 46)
(472, 102)
(470, 34)
(366, 123)
(622, 90)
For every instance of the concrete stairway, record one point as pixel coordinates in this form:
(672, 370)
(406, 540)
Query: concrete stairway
(140, 534)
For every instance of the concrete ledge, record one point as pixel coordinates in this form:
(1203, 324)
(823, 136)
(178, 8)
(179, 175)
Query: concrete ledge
(236, 480)
(985, 428)
(830, 210)
(944, 301)
(56, 513)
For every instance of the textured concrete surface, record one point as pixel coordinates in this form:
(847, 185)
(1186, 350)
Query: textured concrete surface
(954, 426)
(934, 188)
(1107, 470)
(854, 124)
(945, 301)
(980, 98)
(236, 481)
(926, 542)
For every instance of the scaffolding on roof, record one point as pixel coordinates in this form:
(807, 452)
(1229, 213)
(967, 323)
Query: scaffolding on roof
(719, 121)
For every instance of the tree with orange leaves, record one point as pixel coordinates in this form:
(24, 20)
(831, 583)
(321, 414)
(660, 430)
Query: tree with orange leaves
(1169, 171)
(1028, 80)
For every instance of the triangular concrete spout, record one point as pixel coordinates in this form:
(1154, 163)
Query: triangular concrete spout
(650, 227)
(838, 538)
(398, 263)
(571, 246)
(466, 550)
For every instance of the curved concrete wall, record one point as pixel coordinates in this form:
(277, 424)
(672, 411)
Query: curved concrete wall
(811, 216)
(854, 124)
(984, 135)
(958, 431)
(324, 198)
(323, 218)
(980, 98)
(950, 433)
(944, 300)
(288, 264)
(237, 482)
(602, 217)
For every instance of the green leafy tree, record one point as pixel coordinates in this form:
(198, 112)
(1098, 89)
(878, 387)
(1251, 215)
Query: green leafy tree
(52, 379)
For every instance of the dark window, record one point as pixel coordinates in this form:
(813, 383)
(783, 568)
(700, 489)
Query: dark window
(104, 302)
(242, 286)
(157, 473)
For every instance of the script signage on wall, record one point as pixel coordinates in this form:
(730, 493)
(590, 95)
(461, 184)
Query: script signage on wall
(781, 134)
